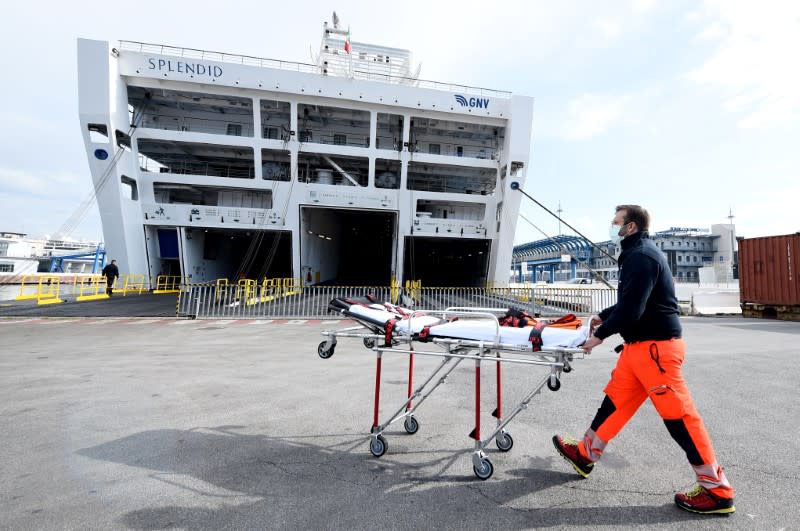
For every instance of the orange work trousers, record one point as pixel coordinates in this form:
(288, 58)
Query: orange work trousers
(653, 369)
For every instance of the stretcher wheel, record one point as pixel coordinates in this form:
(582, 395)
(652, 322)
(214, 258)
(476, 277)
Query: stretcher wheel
(567, 367)
(369, 342)
(411, 425)
(324, 354)
(484, 470)
(554, 384)
(504, 442)
(378, 446)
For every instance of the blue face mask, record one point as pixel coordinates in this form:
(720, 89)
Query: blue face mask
(615, 233)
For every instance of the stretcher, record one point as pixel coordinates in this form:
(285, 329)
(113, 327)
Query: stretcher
(455, 335)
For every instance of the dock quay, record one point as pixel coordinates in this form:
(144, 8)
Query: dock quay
(212, 424)
(144, 305)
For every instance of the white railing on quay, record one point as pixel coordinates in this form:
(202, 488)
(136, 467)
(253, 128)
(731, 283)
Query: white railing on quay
(211, 301)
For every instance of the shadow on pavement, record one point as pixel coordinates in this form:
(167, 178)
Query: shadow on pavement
(304, 482)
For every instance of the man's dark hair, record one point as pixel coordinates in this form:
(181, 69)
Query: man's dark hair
(636, 214)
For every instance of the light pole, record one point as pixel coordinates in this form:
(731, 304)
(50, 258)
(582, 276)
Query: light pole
(730, 221)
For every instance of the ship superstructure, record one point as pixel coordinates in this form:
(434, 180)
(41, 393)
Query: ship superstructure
(348, 171)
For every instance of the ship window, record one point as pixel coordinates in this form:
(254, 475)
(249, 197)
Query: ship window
(389, 129)
(330, 122)
(123, 140)
(234, 130)
(450, 210)
(451, 179)
(6, 268)
(434, 149)
(339, 140)
(98, 133)
(178, 110)
(387, 174)
(133, 188)
(458, 139)
(332, 169)
(276, 115)
(680, 258)
(275, 165)
(187, 158)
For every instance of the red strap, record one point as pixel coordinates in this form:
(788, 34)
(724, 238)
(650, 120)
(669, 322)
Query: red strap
(388, 335)
(536, 336)
(424, 333)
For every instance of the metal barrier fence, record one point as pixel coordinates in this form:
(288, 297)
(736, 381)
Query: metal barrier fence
(44, 289)
(292, 301)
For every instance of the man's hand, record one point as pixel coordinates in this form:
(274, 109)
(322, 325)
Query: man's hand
(590, 343)
(594, 322)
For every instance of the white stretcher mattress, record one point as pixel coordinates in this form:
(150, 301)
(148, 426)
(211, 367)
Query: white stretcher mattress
(469, 329)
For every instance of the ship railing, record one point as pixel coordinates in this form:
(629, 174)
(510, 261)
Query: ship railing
(451, 149)
(312, 176)
(262, 62)
(388, 143)
(290, 299)
(338, 139)
(210, 169)
(197, 125)
(221, 57)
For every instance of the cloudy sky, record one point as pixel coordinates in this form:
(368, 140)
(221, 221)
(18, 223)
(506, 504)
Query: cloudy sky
(686, 107)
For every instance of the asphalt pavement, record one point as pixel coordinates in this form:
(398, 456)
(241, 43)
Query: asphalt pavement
(161, 423)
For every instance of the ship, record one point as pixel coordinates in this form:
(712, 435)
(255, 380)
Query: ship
(347, 170)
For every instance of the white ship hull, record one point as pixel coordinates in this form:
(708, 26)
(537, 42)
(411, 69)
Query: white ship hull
(211, 166)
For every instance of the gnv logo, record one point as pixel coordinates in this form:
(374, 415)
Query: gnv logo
(480, 103)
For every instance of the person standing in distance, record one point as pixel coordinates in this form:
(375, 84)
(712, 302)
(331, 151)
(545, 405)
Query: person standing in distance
(649, 366)
(111, 272)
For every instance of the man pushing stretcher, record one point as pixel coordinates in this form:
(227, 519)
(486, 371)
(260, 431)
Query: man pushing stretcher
(649, 366)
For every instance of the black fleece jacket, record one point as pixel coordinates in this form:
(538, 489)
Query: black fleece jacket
(111, 271)
(646, 308)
